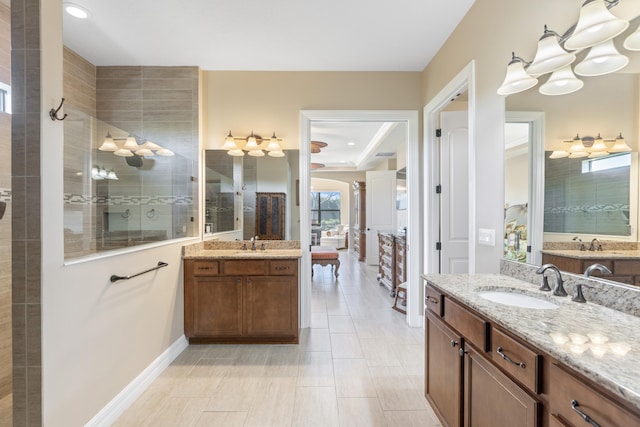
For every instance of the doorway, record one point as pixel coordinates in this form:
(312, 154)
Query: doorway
(410, 118)
(436, 252)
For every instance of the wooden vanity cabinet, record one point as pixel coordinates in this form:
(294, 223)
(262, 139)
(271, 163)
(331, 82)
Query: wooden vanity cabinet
(241, 301)
(565, 388)
(623, 270)
(462, 382)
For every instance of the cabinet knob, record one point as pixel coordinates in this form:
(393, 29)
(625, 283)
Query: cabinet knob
(454, 343)
(462, 352)
(238, 281)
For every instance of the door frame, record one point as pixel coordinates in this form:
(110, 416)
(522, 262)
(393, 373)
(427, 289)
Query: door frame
(463, 81)
(414, 237)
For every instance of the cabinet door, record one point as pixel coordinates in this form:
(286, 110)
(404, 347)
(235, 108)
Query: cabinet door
(216, 306)
(443, 371)
(270, 215)
(271, 306)
(492, 399)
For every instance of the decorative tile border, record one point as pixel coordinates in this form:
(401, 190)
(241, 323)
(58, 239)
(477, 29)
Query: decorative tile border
(81, 199)
(5, 195)
(588, 209)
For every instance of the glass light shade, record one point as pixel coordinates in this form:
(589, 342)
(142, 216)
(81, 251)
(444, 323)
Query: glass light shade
(595, 25)
(256, 153)
(273, 144)
(95, 173)
(123, 153)
(516, 80)
(633, 41)
(601, 59)
(578, 155)
(252, 142)
(276, 153)
(144, 152)
(558, 154)
(165, 152)
(130, 143)
(112, 175)
(229, 143)
(108, 144)
(620, 146)
(236, 153)
(598, 145)
(561, 82)
(150, 145)
(550, 56)
(102, 173)
(595, 154)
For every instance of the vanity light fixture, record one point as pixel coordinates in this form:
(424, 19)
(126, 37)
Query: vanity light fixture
(595, 25)
(633, 41)
(130, 147)
(254, 145)
(100, 173)
(591, 147)
(596, 30)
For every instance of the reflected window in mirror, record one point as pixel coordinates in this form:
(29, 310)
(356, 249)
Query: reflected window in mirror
(588, 196)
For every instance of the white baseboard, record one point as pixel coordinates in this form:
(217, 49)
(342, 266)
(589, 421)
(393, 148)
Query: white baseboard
(116, 407)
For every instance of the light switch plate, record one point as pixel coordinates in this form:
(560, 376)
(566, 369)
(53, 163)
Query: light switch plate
(487, 236)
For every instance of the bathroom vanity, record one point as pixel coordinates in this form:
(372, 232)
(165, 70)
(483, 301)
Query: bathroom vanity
(624, 264)
(525, 358)
(241, 296)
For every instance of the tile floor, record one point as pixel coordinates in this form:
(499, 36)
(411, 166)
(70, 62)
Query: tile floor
(358, 365)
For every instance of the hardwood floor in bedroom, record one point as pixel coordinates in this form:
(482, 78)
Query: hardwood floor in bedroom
(358, 365)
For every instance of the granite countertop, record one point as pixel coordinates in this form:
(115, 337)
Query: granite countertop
(606, 254)
(596, 341)
(248, 254)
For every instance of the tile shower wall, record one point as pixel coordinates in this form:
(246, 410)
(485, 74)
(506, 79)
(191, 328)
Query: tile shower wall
(5, 221)
(25, 228)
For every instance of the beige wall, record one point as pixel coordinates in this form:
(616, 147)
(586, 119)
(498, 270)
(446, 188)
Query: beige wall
(271, 101)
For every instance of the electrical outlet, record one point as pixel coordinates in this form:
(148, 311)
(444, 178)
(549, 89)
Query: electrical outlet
(487, 236)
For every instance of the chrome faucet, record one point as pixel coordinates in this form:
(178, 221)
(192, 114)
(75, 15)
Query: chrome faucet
(592, 247)
(253, 243)
(582, 247)
(558, 290)
(578, 296)
(601, 268)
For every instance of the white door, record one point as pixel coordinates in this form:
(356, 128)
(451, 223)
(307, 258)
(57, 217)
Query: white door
(454, 199)
(380, 205)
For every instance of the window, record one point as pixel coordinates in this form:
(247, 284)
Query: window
(325, 209)
(5, 98)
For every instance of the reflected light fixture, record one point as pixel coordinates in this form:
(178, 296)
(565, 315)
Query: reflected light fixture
(601, 59)
(591, 147)
(595, 25)
(131, 146)
(561, 82)
(254, 144)
(549, 56)
(558, 154)
(76, 11)
(516, 80)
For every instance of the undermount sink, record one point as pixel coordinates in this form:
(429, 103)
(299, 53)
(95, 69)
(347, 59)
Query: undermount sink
(517, 300)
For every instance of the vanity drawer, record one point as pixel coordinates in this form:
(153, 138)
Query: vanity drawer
(285, 267)
(244, 267)
(516, 360)
(564, 389)
(470, 326)
(434, 301)
(205, 268)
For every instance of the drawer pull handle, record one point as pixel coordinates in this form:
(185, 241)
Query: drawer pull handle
(205, 268)
(587, 418)
(505, 357)
(432, 300)
(281, 268)
(454, 343)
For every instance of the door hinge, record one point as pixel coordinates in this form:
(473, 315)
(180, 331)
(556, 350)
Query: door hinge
(438, 133)
(438, 246)
(438, 189)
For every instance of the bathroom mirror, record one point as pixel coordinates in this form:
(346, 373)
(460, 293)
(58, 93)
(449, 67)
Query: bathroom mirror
(239, 192)
(606, 105)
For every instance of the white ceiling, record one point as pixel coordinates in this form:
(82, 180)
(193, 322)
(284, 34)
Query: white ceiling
(281, 35)
(357, 146)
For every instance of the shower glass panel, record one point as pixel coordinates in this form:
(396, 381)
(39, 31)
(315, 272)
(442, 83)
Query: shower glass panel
(113, 202)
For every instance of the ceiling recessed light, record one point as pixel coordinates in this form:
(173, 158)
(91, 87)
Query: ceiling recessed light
(76, 11)
(351, 143)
